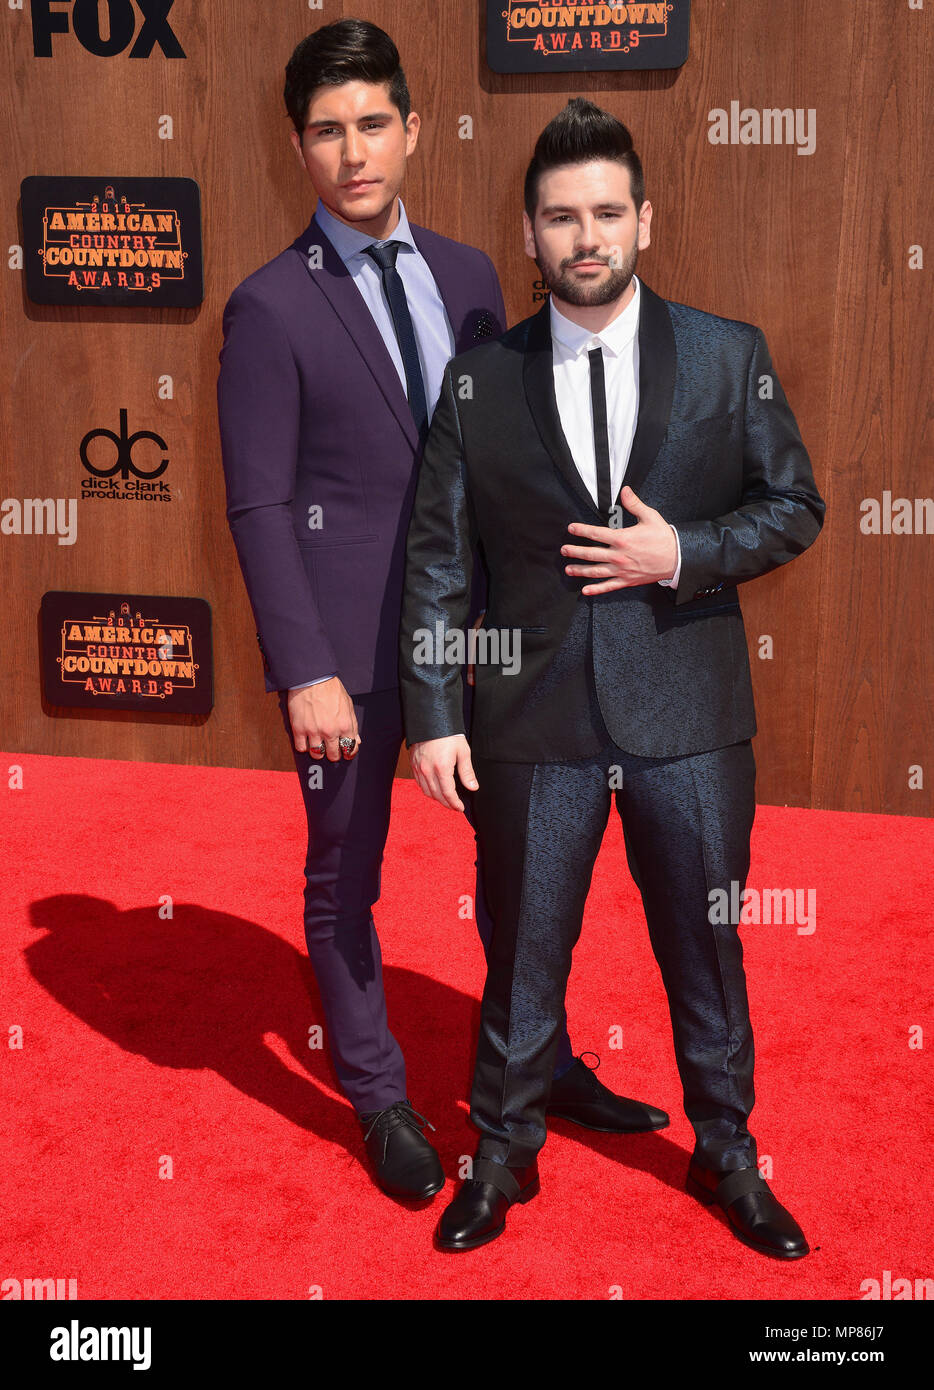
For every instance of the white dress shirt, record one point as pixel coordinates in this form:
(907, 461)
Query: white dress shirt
(619, 342)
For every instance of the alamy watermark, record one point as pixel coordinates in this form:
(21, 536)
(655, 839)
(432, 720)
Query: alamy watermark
(752, 906)
(480, 646)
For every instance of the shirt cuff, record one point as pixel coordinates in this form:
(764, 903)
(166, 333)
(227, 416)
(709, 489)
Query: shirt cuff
(672, 583)
(314, 682)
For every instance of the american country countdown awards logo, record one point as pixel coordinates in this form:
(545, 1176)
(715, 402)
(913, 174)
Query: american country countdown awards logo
(112, 241)
(136, 651)
(568, 35)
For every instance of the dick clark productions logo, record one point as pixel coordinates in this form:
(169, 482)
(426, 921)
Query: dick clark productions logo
(109, 461)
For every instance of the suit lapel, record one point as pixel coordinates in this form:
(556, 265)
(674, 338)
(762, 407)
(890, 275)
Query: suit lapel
(539, 382)
(657, 367)
(336, 284)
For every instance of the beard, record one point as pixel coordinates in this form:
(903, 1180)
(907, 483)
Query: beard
(563, 285)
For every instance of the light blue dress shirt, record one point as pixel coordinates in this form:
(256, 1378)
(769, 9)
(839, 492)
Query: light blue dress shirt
(429, 316)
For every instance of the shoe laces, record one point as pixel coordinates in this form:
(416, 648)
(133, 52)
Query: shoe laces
(400, 1113)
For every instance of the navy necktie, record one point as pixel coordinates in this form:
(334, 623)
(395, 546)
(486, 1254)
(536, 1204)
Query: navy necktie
(385, 257)
(601, 438)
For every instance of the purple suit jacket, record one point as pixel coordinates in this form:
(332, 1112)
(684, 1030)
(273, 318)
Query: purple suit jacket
(313, 414)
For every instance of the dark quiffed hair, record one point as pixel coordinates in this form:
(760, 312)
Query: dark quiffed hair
(580, 133)
(349, 50)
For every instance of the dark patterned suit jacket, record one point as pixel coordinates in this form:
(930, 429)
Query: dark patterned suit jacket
(716, 451)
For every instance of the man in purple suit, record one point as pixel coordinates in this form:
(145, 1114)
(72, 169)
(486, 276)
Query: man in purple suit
(332, 363)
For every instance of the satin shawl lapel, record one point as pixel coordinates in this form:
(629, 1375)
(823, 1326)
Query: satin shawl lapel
(539, 382)
(658, 363)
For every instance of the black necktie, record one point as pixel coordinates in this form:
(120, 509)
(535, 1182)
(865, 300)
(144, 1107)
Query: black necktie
(385, 257)
(601, 438)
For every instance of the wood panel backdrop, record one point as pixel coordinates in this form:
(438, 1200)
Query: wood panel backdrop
(816, 248)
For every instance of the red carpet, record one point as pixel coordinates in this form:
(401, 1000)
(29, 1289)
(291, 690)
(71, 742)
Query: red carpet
(149, 1040)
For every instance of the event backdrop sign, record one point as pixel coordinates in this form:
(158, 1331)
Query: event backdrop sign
(127, 651)
(113, 242)
(143, 23)
(569, 36)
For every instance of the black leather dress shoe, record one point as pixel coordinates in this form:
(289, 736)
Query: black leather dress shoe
(406, 1164)
(478, 1212)
(578, 1096)
(756, 1216)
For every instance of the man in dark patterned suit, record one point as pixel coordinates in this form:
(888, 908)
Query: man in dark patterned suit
(633, 678)
(331, 365)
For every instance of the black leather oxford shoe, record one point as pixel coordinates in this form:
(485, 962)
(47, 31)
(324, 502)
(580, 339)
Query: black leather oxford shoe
(405, 1163)
(756, 1216)
(478, 1212)
(578, 1096)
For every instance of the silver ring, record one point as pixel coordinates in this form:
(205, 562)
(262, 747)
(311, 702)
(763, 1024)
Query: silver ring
(316, 748)
(348, 744)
